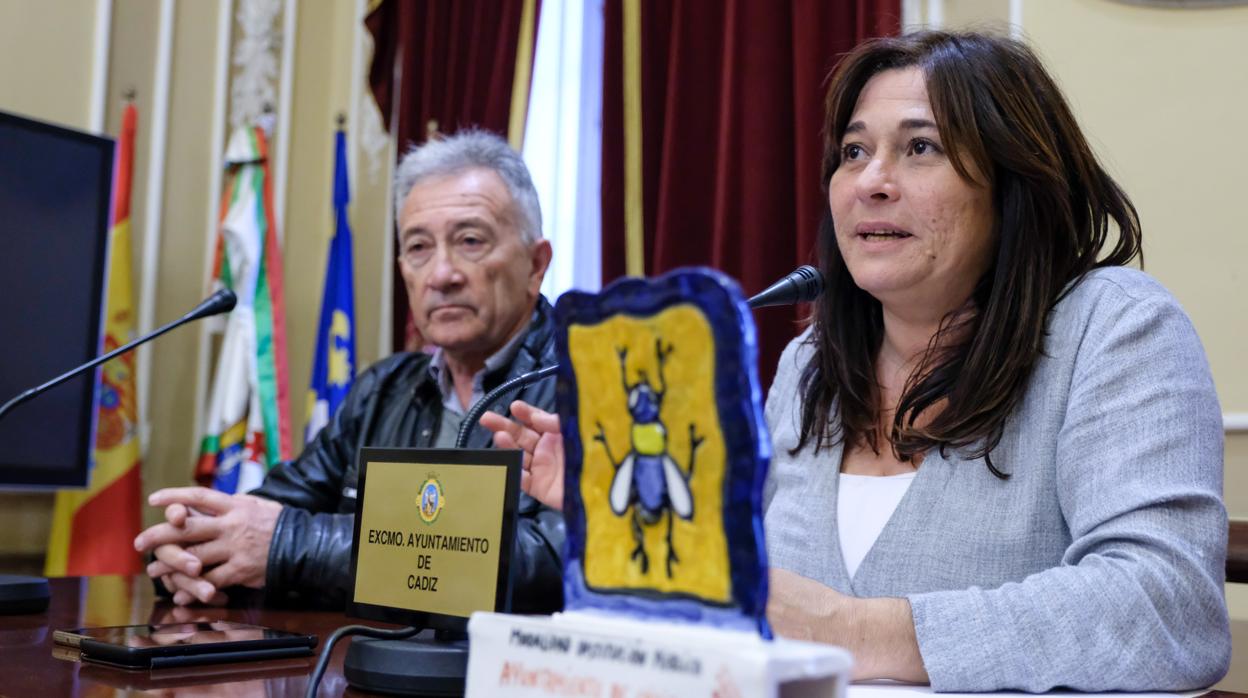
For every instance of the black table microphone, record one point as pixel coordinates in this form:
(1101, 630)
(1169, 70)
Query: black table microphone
(480, 406)
(802, 285)
(20, 594)
(220, 302)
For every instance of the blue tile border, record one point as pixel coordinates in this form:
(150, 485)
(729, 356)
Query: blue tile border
(747, 446)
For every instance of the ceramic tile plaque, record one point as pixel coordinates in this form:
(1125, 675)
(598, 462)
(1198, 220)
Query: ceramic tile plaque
(666, 451)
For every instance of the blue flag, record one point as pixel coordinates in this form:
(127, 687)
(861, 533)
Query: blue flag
(333, 367)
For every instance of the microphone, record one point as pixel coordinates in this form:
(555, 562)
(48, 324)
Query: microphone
(223, 301)
(220, 302)
(801, 285)
(480, 406)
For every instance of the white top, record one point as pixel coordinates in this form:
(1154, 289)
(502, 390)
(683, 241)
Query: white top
(864, 504)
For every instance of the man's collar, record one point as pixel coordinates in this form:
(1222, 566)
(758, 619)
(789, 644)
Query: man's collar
(441, 374)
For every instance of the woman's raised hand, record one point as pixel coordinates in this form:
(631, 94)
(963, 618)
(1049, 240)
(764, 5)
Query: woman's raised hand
(536, 432)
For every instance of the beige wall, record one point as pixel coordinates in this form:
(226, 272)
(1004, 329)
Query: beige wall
(58, 37)
(183, 247)
(1161, 95)
(46, 61)
(1167, 122)
(61, 35)
(323, 91)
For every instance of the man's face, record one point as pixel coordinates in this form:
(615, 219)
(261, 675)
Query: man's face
(471, 279)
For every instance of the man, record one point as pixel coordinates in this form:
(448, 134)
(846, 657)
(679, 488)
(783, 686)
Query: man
(472, 258)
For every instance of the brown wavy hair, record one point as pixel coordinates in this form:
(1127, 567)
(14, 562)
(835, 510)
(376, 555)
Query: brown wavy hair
(999, 111)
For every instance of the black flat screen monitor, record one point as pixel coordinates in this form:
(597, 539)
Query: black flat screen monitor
(55, 187)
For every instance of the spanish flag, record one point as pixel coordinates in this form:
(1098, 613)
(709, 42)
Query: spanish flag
(93, 529)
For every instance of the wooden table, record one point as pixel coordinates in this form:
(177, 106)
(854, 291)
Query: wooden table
(30, 667)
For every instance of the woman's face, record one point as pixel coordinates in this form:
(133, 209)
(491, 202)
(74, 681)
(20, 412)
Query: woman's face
(913, 233)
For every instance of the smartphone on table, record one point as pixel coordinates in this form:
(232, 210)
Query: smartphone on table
(183, 644)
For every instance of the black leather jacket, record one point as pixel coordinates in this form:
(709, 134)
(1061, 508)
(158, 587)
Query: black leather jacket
(396, 403)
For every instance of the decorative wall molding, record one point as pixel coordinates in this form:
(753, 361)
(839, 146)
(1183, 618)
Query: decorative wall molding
(261, 84)
(99, 66)
(911, 11)
(153, 212)
(1235, 422)
(922, 14)
(216, 162)
(280, 153)
(370, 134)
(372, 138)
(1184, 4)
(253, 89)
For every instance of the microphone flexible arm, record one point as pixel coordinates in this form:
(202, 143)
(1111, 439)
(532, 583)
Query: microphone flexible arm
(219, 302)
(802, 284)
(479, 408)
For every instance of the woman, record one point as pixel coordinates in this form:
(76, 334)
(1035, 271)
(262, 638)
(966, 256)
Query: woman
(1005, 468)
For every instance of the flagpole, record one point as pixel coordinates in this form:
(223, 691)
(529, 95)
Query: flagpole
(216, 173)
(99, 65)
(154, 200)
(281, 163)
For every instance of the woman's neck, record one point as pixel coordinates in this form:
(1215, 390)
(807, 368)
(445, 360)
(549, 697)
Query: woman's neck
(907, 337)
(905, 341)
(908, 333)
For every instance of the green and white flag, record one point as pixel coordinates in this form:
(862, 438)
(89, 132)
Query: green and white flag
(248, 419)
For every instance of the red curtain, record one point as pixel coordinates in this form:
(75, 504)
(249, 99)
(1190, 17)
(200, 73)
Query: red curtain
(451, 62)
(732, 111)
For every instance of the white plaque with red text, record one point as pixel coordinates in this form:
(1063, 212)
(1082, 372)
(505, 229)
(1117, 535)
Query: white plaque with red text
(587, 654)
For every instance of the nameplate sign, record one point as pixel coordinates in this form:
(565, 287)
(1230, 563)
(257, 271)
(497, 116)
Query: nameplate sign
(611, 656)
(433, 534)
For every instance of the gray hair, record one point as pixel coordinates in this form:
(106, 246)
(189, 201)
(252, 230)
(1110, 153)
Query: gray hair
(470, 149)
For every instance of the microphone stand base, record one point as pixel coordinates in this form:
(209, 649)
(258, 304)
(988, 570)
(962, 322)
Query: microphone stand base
(20, 594)
(420, 666)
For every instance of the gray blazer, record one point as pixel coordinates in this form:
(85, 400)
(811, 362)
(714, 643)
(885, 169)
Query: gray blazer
(1099, 564)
